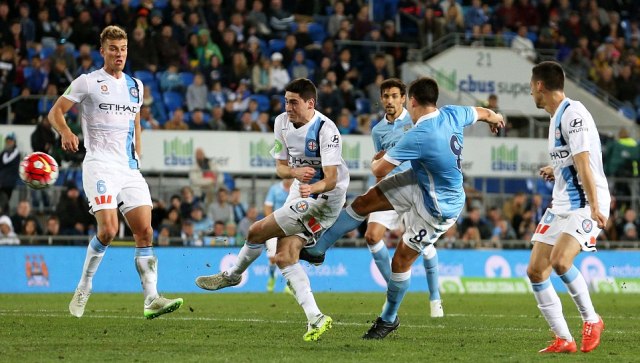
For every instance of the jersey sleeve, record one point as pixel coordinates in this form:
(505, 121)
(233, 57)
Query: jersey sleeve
(330, 145)
(407, 148)
(377, 145)
(463, 116)
(77, 90)
(279, 150)
(575, 129)
(140, 92)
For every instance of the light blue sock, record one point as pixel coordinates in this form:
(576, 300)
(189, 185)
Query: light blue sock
(381, 257)
(272, 270)
(396, 289)
(433, 275)
(347, 221)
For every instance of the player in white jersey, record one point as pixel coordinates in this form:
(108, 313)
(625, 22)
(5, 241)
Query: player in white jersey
(308, 148)
(580, 209)
(111, 101)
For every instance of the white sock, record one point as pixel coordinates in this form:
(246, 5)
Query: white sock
(579, 292)
(429, 252)
(551, 308)
(377, 247)
(301, 288)
(95, 252)
(248, 253)
(147, 266)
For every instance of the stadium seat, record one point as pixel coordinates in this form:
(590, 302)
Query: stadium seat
(317, 32)
(31, 52)
(46, 52)
(172, 100)
(363, 106)
(187, 78)
(145, 77)
(276, 45)
(97, 58)
(628, 112)
(263, 102)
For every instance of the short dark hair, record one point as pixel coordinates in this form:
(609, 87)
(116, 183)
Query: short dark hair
(550, 74)
(304, 88)
(393, 82)
(425, 91)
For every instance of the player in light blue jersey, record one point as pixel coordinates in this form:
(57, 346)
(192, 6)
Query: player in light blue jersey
(276, 198)
(395, 123)
(429, 195)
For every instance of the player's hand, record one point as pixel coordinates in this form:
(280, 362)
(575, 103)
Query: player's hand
(497, 124)
(600, 219)
(547, 173)
(303, 174)
(69, 141)
(305, 190)
(378, 155)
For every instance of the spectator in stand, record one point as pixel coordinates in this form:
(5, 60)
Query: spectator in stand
(329, 101)
(626, 85)
(7, 235)
(167, 47)
(279, 76)
(43, 138)
(258, 18)
(289, 50)
(523, 45)
(62, 53)
(197, 94)
(629, 219)
(29, 234)
(238, 71)
(344, 68)
(505, 15)
(28, 27)
(73, 212)
(333, 24)
(46, 30)
(221, 209)
(263, 123)
(474, 16)
(145, 57)
(206, 48)
(188, 235)
(176, 122)
(170, 80)
(188, 201)
(260, 76)
(9, 164)
(474, 227)
(86, 66)
(202, 225)
(198, 122)
(53, 229)
(60, 76)
(280, 20)
(84, 30)
(246, 123)
(25, 109)
(38, 79)
(217, 121)
(239, 208)
(621, 158)
(605, 80)
(147, 121)
(23, 213)
(300, 67)
(378, 67)
(514, 208)
(246, 221)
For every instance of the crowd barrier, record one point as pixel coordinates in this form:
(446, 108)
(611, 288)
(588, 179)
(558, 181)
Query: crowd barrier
(53, 269)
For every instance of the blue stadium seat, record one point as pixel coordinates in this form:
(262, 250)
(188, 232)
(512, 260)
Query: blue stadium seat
(628, 112)
(187, 78)
(263, 102)
(172, 100)
(144, 76)
(31, 52)
(317, 32)
(276, 45)
(46, 52)
(363, 106)
(97, 58)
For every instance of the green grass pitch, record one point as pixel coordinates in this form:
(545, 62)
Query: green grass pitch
(262, 327)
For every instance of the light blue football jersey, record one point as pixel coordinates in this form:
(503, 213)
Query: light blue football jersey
(434, 148)
(386, 134)
(277, 196)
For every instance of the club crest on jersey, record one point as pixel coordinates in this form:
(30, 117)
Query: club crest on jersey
(587, 225)
(134, 92)
(558, 134)
(104, 89)
(302, 206)
(548, 217)
(312, 145)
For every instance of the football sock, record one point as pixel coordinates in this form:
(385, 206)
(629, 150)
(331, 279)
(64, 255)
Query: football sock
(430, 260)
(95, 252)
(396, 289)
(579, 292)
(272, 270)
(551, 308)
(381, 257)
(301, 288)
(248, 253)
(348, 220)
(147, 266)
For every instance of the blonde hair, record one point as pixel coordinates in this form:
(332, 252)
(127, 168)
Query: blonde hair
(112, 32)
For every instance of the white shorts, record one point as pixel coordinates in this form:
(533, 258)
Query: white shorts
(307, 217)
(272, 246)
(107, 187)
(577, 223)
(390, 219)
(421, 228)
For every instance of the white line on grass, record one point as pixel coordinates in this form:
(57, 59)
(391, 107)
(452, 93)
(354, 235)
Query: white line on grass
(57, 314)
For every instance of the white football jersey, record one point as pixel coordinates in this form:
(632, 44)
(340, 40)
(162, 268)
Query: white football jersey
(316, 144)
(572, 131)
(108, 111)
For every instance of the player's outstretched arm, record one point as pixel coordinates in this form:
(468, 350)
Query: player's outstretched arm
(303, 174)
(581, 162)
(546, 172)
(495, 120)
(56, 117)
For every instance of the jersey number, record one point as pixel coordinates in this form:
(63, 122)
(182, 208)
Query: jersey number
(456, 149)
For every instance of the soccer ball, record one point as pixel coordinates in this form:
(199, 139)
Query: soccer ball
(39, 170)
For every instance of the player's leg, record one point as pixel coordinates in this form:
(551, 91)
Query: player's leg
(259, 232)
(374, 237)
(549, 303)
(107, 220)
(351, 217)
(562, 257)
(287, 260)
(271, 245)
(430, 261)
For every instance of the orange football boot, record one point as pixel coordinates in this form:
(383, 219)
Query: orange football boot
(591, 335)
(560, 345)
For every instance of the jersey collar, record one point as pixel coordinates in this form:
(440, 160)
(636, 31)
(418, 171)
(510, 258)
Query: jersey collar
(403, 114)
(428, 116)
